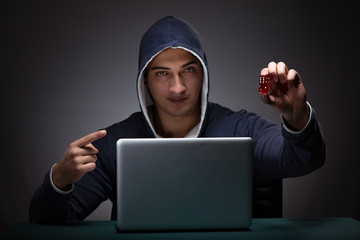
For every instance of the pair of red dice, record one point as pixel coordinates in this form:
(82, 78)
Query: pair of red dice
(264, 84)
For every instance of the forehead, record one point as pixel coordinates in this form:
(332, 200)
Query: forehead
(172, 56)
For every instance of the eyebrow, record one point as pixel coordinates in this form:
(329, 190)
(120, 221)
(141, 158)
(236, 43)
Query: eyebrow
(166, 68)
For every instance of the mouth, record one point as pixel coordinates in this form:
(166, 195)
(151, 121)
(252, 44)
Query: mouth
(177, 100)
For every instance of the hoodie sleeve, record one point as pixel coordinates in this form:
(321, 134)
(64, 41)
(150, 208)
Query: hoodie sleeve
(51, 206)
(47, 204)
(280, 153)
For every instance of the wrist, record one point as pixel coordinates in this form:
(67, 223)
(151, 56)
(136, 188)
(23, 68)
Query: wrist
(57, 180)
(298, 120)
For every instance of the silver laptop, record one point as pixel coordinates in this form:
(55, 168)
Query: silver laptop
(184, 184)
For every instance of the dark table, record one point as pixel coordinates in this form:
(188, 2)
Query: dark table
(272, 228)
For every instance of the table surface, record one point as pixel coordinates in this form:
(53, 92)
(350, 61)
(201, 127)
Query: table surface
(261, 228)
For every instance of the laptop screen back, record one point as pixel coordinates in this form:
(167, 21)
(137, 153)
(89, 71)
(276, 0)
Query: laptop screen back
(184, 184)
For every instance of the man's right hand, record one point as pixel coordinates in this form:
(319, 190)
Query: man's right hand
(79, 158)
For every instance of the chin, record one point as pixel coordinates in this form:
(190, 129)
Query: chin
(181, 113)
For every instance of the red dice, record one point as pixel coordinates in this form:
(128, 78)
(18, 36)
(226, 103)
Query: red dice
(264, 84)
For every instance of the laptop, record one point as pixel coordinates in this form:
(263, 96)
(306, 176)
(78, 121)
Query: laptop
(180, 184)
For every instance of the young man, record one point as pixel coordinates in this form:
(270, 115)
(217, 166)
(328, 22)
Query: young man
(173, 87)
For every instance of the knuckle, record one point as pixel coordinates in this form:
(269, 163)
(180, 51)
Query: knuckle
(78, 168)
(72, 145)
(87, 139)
(71, 152)
(92, 166)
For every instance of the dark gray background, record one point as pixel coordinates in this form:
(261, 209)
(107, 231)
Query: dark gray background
(69, 68)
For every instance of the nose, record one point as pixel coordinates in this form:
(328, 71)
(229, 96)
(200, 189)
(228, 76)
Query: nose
(177, 85)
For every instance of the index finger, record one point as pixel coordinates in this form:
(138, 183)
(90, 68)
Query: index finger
(90, 138)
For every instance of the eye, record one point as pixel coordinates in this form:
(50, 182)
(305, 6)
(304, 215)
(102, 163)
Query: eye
(189, 69)
(161, 73)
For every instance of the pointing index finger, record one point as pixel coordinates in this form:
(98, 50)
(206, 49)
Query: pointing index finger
(90, 138)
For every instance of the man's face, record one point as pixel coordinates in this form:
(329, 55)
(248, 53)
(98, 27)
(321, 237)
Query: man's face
(174, 78)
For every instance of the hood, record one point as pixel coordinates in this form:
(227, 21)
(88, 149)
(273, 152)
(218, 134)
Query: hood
(169, 32)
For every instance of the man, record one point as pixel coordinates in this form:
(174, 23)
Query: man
(173, 87)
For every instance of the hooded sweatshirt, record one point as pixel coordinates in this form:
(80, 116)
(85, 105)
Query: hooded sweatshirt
(170, 32)
(278, 151)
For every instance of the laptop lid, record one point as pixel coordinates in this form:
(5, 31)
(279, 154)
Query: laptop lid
(184, 183)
